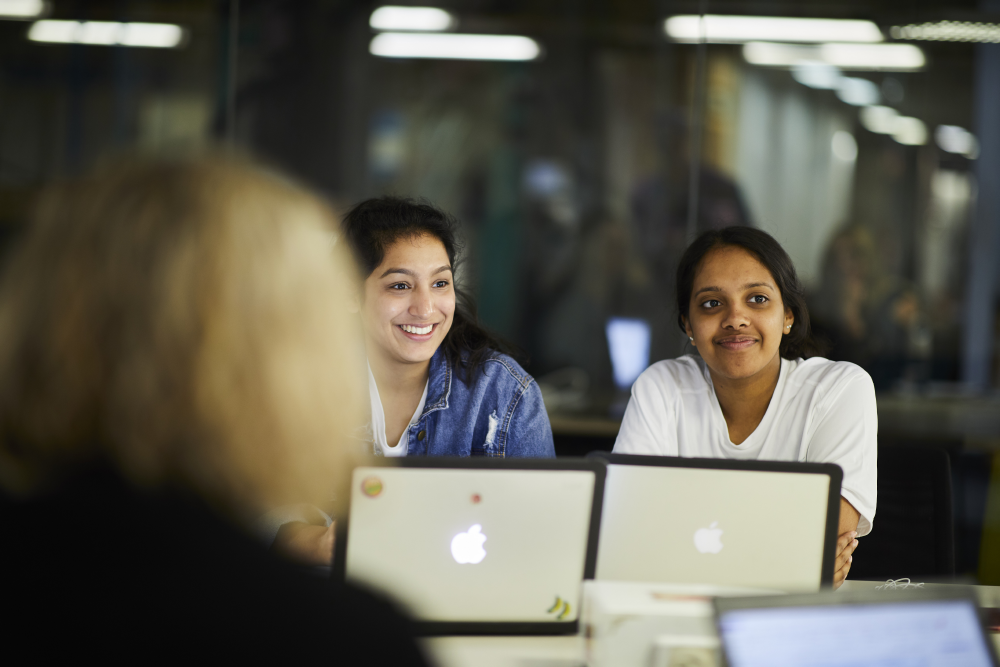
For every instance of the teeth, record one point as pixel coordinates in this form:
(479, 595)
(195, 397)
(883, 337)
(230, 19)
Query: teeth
(416, 330)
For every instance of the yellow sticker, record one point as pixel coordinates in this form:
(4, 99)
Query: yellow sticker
(371, 486)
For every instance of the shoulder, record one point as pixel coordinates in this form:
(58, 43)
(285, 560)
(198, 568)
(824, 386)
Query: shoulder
(502, 368)
(826, 375)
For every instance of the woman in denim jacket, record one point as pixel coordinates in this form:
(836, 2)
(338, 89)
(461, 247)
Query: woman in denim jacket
(439, 384)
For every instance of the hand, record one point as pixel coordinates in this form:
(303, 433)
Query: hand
(846, 544)
(305, 543)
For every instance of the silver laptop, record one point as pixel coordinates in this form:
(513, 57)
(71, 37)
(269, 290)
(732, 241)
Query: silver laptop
(716, 521)
(937, 627)
(476, 545)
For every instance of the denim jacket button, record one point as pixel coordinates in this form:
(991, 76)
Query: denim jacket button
(421, 435)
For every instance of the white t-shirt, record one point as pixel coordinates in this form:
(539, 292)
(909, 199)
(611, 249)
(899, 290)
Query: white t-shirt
(378, 420)
(822, 411)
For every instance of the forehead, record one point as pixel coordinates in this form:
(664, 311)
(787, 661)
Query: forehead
(730, 266)
(411, 251)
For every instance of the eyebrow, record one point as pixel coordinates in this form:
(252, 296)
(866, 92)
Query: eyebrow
(407, 272)
(745, 287)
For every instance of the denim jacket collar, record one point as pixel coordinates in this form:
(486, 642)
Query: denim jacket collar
(439, 376)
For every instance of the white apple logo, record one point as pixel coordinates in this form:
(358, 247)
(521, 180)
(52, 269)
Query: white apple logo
(708, 540)
(468, 547)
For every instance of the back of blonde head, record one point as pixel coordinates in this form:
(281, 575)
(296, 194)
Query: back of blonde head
(185, 321)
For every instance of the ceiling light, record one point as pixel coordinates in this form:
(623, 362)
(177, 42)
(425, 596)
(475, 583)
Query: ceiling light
(454, 46)
(859, 92)
(949, 31)
(958, 140)
(392, 17)
(108, 33)
(23, 9)
(878, 119)
(910, 131)
(816, 74)
(738, 29)
(871, 57)
(886, 120)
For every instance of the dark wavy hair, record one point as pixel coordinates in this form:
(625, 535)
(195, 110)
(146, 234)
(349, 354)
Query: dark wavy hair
(374, 225)
(800, 342)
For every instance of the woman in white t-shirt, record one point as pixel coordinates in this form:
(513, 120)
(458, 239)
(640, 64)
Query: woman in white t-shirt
(754, 390)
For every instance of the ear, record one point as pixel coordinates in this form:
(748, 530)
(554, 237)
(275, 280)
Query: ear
(789, 321)
(353, 304)
(688, 331)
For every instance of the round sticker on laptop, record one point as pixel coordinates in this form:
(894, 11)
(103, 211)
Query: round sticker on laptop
(371, 486)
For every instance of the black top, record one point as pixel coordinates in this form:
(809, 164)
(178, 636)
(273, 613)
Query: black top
(101, 569)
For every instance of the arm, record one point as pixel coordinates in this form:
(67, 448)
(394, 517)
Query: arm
(305, 543)
(846, 433)
(846, 542)
(529, 434)
(302, 533)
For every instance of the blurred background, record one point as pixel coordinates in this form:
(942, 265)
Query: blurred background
(582, 143)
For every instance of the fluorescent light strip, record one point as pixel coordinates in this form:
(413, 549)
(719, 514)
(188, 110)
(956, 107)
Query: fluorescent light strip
(873, 57)
(955, 139)
(453, 46)
(739, 29)
(392, 17)
(23, 9)
(949, 31)
(108, 33)
(886, 120)
(858, 92)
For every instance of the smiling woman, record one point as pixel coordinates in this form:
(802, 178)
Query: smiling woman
(756, 389)
(439, 384)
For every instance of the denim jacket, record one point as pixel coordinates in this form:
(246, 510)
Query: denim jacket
(496, 412)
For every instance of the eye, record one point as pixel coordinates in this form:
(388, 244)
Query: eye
(759, 299)
(711, 303)
(441, 283)
(399, 286)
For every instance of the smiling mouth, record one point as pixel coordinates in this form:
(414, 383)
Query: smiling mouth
(415, 330)
(737, 343)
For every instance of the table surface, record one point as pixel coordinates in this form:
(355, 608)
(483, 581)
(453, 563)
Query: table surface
(569, 651)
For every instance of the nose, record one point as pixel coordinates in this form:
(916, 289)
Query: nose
(736, 317)
(421, 304)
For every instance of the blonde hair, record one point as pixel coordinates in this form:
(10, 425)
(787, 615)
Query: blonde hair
(186, 321)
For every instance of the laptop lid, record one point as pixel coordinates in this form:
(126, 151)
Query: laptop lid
(718, 521)
(474, 546)
(937, 627)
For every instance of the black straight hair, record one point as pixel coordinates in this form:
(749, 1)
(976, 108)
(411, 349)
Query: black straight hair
(799, 342)
(374, 225)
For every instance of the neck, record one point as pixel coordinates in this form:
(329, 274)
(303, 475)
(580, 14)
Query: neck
(394, 377)
(747, 398)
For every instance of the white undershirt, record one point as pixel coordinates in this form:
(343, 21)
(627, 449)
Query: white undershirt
(821, 411)
(378, 420)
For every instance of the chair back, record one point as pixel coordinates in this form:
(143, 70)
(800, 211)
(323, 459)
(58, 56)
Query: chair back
(913, 535)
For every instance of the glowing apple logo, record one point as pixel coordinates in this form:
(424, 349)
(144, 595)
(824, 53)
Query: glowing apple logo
(468, 547)
(708, 540)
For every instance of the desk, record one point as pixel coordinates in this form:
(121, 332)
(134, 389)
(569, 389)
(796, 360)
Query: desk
(570, 651)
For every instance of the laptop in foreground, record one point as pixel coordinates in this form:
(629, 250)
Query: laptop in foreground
(718, 521)
(473, 546)
(937, 627)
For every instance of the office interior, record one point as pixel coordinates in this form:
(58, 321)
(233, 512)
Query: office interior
(581, 157)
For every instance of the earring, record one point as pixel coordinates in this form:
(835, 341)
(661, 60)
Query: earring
(690, 339)
(789, 327)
